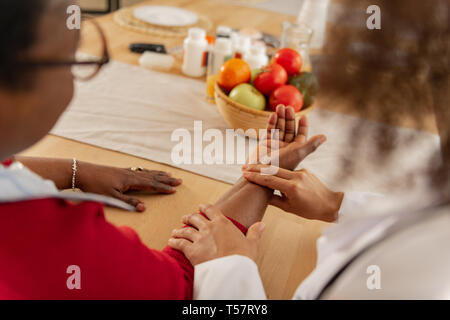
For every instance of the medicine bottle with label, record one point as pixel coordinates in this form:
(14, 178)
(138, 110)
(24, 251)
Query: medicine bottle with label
(195, 53)
(241, 46)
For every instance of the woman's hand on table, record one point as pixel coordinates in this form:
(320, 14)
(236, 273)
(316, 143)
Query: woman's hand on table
(302, 192)
(214, 236)
(115, 182)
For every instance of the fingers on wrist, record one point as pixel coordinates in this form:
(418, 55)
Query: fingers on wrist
(180, 244)
(280, 202)
(187, 233)
(279, 181)
(211, 212)
(195, 220)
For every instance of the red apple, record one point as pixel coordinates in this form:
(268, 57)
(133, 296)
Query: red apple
(270, 78)
(287, 95)
(289, 59)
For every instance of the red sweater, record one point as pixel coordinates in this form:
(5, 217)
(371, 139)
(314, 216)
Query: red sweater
(40, 239)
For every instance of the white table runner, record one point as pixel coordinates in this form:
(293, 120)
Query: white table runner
(133, 110)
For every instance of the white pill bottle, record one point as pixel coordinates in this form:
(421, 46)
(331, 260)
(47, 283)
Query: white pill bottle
(220, 53)
(257, 57)
(195, 53)
(241, 46)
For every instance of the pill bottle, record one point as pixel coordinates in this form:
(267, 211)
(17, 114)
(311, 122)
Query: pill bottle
(195, 53)
(223, 32)
(220, 53)
(257, 57)
(241, 46)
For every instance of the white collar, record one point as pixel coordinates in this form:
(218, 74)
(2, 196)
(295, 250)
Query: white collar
(18, 183)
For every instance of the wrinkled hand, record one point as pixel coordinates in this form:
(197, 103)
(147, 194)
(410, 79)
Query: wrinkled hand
(115, 182)
(293, 146)
(302, 192)
(214, 236)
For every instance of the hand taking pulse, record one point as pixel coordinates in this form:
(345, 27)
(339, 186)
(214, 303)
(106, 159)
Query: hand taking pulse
(214, 236)
(302, 192)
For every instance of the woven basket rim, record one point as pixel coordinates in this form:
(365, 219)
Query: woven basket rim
(244, 108)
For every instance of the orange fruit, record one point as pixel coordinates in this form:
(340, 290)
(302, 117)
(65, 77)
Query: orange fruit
(233, 72)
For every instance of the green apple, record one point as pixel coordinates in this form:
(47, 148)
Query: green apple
(249, 96)
(254, 74)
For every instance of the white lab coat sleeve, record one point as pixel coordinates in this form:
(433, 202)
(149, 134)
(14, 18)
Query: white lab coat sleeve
(228, 278)
(356, 202)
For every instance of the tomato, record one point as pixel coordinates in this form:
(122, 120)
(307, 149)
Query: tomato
(232, 73)
(270, 78)
(287, 95)
(290, 60)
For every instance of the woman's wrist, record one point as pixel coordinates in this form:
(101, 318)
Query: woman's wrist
(335, 201)
(81, 175)
(245, 202)
(62, 172)
(57, 170)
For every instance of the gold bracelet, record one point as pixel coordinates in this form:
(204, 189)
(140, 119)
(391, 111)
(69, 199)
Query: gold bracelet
(74, 173)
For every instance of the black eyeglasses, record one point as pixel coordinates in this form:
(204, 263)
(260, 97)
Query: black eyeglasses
(84, 69)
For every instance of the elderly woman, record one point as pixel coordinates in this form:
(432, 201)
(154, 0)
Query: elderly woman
(51, 248)
(402, 69)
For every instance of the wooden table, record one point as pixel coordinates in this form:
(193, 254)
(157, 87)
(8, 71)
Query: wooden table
(288, 250)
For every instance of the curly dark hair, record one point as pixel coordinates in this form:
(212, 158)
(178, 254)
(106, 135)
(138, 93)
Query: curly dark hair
(399, 71)
(18, 24)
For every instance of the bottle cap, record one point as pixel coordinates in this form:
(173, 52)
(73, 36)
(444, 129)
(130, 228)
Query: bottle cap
(258, 49)
(244, 42)
(223, 31)
(210, 39)
(223, 44)
(196, 33)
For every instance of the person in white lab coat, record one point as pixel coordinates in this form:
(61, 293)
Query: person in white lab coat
(381, 246)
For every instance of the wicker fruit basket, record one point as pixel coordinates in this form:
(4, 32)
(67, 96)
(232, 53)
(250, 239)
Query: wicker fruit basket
(238, 116)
